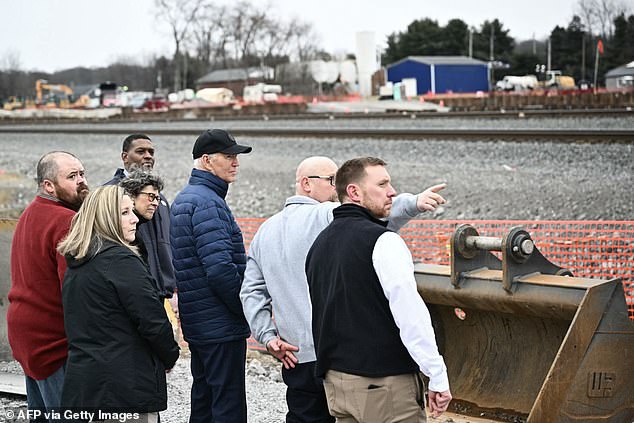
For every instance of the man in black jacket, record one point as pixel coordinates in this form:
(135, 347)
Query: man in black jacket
(138, 154)
(372, 331)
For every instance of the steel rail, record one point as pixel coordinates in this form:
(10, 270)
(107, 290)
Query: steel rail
(559, 135)
(390, 114)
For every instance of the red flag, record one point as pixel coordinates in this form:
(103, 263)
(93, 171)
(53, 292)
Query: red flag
(600, 46)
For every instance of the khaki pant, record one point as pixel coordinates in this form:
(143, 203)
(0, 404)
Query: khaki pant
(143, 418)
(387, 399)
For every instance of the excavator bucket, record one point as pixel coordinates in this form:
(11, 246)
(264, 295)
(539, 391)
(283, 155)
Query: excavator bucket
(523, 340)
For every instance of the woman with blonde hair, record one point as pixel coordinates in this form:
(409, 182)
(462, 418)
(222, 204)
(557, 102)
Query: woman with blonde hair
(120, 342)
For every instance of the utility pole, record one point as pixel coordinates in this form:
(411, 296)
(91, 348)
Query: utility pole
(491, 54)
(596, 69)
(599, 50)
(534, 46)
(470, 42)
(583, 55)
(549, 53)
(185, 71)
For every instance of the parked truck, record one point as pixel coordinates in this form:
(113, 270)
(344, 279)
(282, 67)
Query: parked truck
(555, 79)
(517, 83)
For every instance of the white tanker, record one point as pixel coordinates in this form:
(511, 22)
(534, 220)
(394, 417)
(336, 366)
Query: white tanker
(517, 83)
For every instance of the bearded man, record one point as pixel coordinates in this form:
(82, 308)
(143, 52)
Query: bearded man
(35, 319)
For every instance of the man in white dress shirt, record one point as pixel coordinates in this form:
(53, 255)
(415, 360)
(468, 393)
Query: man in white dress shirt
(275, 280)
(372, 331)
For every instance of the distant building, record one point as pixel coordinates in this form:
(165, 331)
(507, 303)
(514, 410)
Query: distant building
(236, 79)
(621, 77)
(441, 74)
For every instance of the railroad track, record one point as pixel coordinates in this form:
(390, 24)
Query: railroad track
(389, 114)
(561, 135)
(411, 114)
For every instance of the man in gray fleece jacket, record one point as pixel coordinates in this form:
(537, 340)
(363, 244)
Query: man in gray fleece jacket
(275, 280)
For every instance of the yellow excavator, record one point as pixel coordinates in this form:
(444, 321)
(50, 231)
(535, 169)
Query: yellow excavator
(63, 94)
(555, 79)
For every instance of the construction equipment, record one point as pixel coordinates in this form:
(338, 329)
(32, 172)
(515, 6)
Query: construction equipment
(555, 79)
(523, 340)
(517, 83)
(64, 100)
(13, 103)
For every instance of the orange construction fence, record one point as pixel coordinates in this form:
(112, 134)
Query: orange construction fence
(591, 249)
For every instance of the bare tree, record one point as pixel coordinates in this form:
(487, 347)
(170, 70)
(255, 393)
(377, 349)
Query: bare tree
(586, 11)
(12, 79)
(179, 15)
(10, 61)
(247, 23)
(273, 39)
(599, 15)
(210, 34)
(305, 41)
(242, 35)
(294, 39)
(610, 9)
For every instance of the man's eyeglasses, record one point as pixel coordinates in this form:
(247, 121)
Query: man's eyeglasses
(151, 196)
(331, 179)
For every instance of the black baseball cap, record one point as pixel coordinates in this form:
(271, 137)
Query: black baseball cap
(217, 141)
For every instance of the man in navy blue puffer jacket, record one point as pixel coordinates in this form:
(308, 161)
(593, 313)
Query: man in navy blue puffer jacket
(209, 260)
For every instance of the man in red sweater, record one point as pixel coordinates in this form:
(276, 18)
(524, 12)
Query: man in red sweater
(35, 318)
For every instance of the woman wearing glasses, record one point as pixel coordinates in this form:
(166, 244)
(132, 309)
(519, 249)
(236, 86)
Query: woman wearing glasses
(152, 236)
(120, 342)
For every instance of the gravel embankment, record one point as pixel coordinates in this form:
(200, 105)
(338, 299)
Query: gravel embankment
(486, 179)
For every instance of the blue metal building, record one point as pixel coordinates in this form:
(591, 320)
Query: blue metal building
(441, 74)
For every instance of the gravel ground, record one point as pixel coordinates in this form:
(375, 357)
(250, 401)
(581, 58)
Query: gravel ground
(265, 390)
(486, 180)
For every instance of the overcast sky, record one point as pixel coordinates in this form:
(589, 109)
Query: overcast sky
(51, 35)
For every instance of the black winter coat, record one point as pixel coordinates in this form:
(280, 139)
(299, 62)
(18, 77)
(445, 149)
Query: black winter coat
(119, 338)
